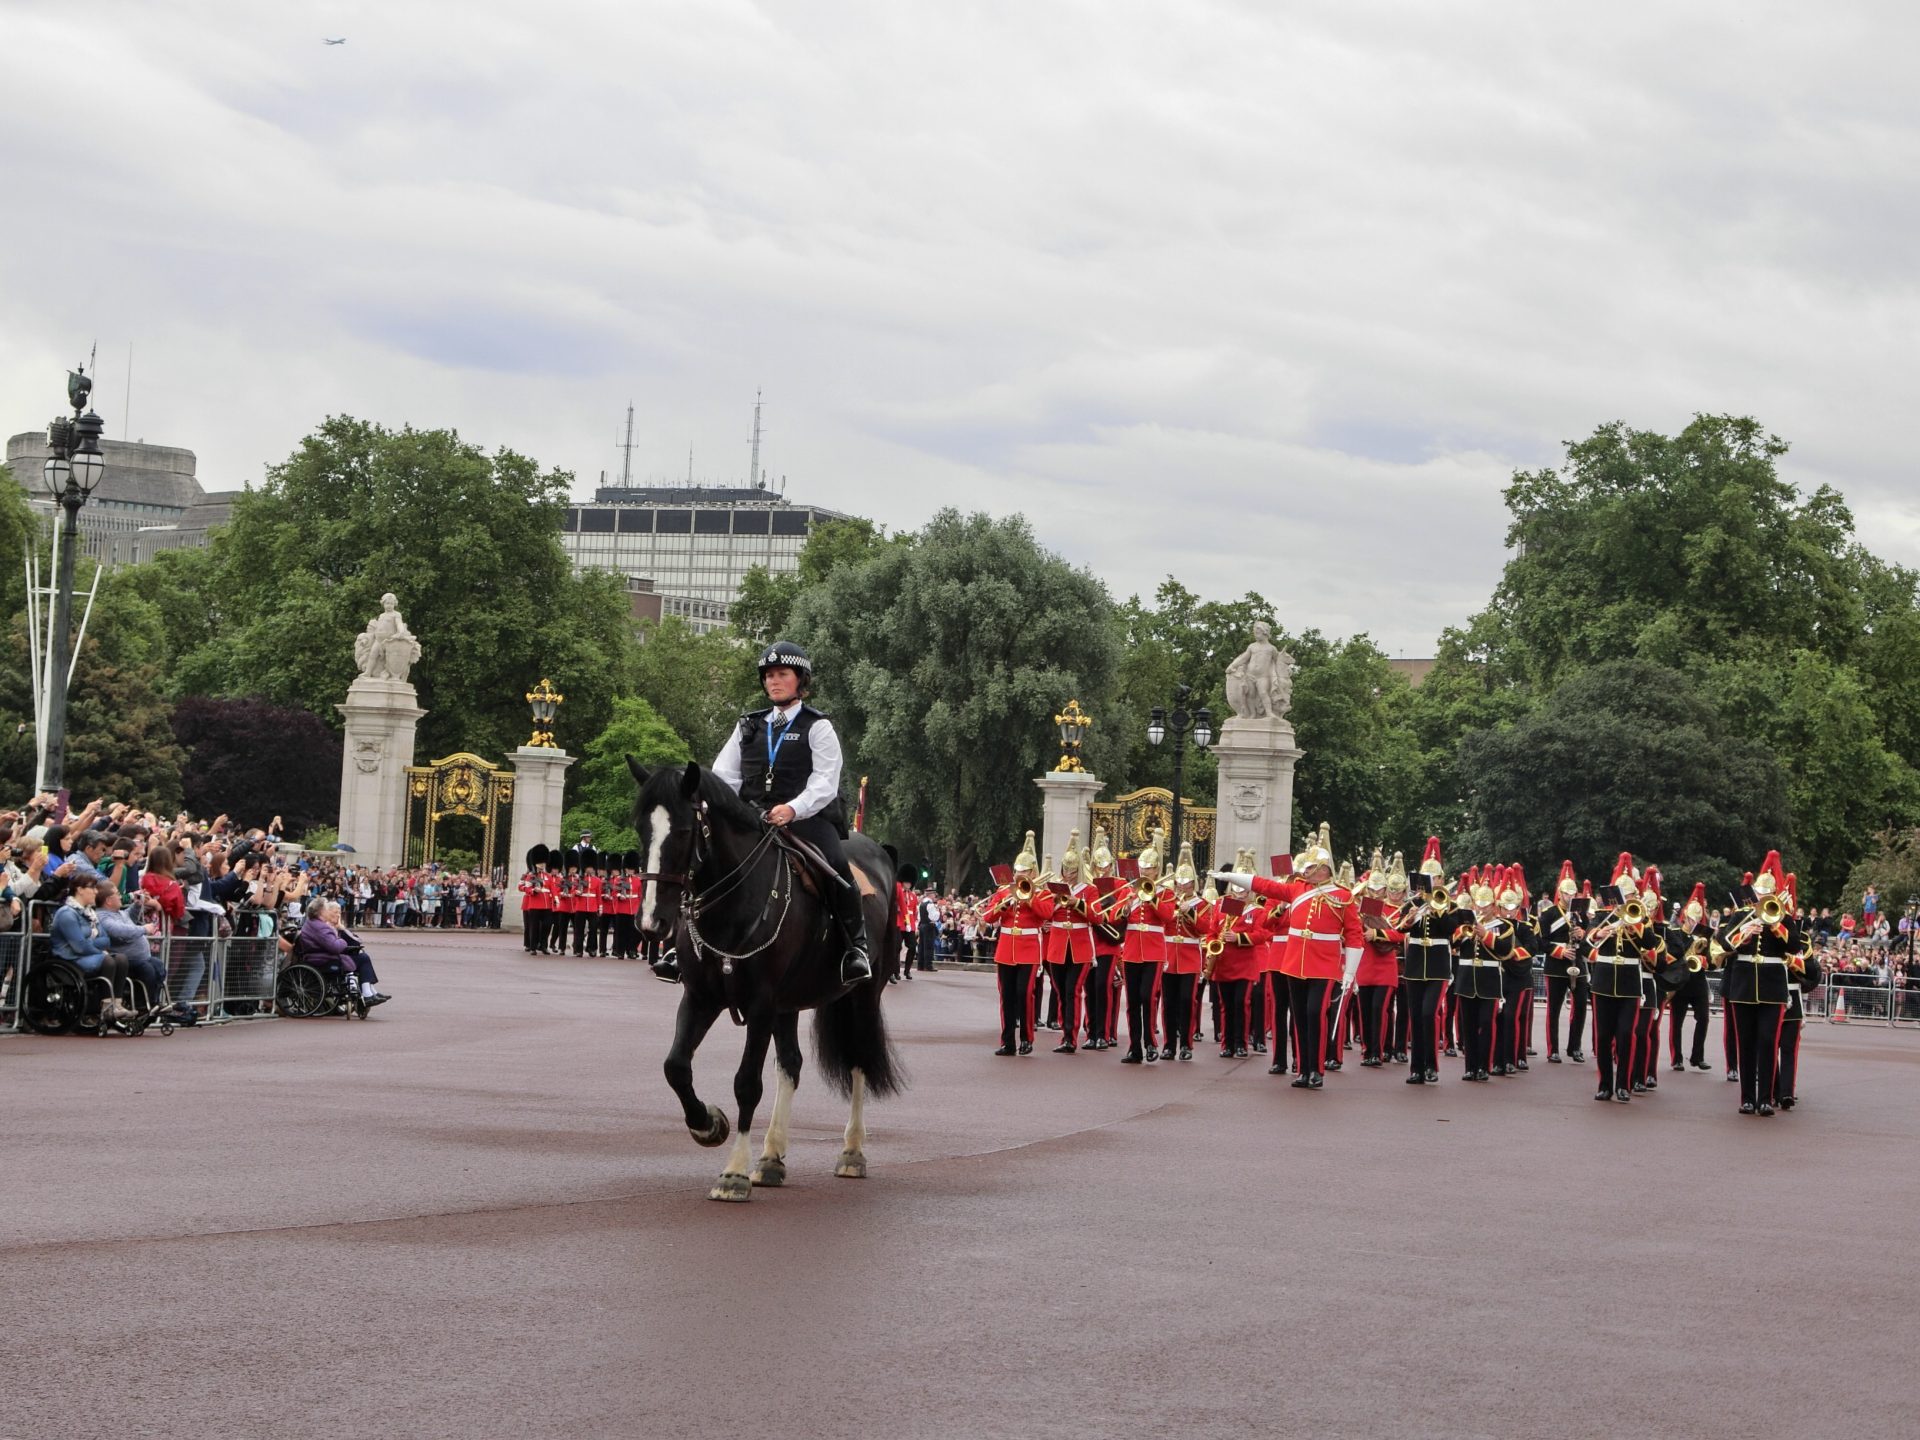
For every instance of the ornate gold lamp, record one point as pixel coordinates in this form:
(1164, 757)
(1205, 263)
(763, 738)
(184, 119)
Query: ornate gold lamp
(1074, 724)
(546, 702)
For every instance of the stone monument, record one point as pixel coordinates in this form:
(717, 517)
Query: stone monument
(382, 712)
(1256, 753)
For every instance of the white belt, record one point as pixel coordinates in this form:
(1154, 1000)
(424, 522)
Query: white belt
(1009, 930)
(1494, 963)
(1429, 941)
(1070, 926)
(1313, 935)
(1147, 929)
(1181, 940)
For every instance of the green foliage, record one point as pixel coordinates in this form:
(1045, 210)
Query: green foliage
(1625, 756)
(942, 662)
(251, 760)
(602, 787)
(120, 743)
(19, 528)
(467, 541)
(697, 683)
(321, 837)
(766, 600)
(1892, 863)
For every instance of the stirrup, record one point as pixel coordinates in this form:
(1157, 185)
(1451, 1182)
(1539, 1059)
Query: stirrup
(855, 966)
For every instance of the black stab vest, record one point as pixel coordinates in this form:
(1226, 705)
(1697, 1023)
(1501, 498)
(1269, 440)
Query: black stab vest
(765, 787)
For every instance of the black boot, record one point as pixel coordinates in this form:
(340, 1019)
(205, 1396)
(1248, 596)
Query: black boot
(856, 965)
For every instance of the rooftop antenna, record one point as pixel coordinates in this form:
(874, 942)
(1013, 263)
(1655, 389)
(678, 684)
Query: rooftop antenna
(126, 410)
(753, 469)
(626, 461)
(689, 465)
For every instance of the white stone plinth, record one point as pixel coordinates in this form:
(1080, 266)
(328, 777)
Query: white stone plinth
(1064, 809)
(1255, 801)
(539, 793)
(381, 719)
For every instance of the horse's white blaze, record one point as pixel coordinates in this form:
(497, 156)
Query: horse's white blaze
(776, 1146)
(656, 844)
(857, 1121)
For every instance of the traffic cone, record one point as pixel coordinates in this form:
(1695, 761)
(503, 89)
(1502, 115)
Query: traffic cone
(1839, 1015)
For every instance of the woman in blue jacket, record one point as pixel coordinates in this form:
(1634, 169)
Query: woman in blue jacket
(78, 941)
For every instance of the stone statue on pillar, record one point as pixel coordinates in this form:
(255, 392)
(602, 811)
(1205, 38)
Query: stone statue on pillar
(1256, 752)
(382, 713)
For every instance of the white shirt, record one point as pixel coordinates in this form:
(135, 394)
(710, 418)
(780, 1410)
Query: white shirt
(823, 785)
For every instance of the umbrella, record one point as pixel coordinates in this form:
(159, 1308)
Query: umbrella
(348, 848)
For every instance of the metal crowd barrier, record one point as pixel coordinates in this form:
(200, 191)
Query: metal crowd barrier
(219, 978)
(1869, 1004)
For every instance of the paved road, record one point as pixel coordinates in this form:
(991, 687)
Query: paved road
(478, 1215)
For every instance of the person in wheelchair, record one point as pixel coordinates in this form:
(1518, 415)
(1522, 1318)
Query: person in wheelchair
(78, 941)
(322, 940)
(131, 941)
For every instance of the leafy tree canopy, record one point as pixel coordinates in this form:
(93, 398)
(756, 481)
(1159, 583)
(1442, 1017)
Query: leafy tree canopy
(252, 759)
(601, 785)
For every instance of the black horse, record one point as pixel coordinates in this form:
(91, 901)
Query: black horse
(754, 939)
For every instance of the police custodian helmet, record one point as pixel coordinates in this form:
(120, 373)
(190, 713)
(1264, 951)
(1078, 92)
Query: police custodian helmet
(785, 652)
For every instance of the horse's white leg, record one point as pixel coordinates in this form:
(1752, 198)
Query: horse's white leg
(772, 1169)
(853, 1159)
(734, 1183)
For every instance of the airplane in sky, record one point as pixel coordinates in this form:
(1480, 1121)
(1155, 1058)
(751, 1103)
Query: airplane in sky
(341, 41)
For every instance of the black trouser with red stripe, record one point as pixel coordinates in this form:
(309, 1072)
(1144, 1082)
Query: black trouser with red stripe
(1615, 1019)
(1139, 977)
(1271, 989)
(1100, 997)
(1422, 1001)
(1398, 1036)
(1016, 995)
(1510, 1043)
(1308, 1001)
(1646, 1041)
(1691, 996)
(1558, 989)
(1373, 1018)
(1233, 1004)
(1476, 1031)
(1757, 1037)
(1176, 1004)
(1065, 975)
(1786, 1072)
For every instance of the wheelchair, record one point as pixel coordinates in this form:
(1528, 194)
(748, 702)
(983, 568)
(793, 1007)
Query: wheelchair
(57, 998)
(308, 986)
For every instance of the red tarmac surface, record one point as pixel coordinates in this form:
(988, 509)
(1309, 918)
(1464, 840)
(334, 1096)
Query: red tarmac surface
(478, 1215)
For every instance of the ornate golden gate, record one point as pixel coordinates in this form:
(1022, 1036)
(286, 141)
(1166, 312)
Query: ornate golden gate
(460, 784)
(1130, 821)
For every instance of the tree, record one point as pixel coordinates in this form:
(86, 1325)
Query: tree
(252, 759)
(1626, 756)
(601, 786)
(942, 662)
(759, 614)
(699, 683)
(470, 544)
(1674, 549)
(19, 528)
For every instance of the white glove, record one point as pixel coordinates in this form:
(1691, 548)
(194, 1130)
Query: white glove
(1228, 877)
(1353, 969)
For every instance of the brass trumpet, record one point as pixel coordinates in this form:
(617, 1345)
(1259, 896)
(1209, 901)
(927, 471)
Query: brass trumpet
(1023, 889)
(1772, 910)
(1213, 945)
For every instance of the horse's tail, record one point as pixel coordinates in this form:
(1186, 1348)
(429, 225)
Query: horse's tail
(851, 1034)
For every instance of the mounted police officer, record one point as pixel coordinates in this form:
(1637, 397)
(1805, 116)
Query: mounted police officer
(785, 761)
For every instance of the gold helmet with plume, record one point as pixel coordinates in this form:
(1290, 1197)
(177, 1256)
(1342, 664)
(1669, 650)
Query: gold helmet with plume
(1397, 875)
(1101, 860)
(1317, 851)
(1027, 862)
(1071, 861)
(1377, 873)
(1185, 876)
(1154, 855)
(1345, 877)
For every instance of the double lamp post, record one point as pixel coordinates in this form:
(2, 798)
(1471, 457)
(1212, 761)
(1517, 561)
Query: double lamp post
(72, 471)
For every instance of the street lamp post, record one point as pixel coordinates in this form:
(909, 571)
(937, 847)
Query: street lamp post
(1179, 724)
(546, 702)
(73, 468)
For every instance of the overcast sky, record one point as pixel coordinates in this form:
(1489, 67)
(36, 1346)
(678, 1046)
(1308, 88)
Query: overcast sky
(1263, 295)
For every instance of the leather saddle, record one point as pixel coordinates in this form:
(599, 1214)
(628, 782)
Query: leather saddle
(812, 870)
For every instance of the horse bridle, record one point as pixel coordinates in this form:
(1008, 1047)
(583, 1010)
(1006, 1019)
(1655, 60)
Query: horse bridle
(726, 883)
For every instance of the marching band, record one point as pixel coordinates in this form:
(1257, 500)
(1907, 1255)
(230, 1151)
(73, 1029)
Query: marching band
(1315, 958)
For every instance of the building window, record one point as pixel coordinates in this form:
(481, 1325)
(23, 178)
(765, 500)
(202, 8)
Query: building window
(635, 522)
(598, 522)
(673, 522)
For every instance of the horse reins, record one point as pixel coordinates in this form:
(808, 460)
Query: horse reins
(723, 886)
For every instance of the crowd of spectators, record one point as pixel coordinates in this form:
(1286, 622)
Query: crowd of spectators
(110, 882)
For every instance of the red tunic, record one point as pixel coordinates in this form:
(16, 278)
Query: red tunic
(1019, 942)
(533, 892)
(1249, 938)
(1146, 941)
(1183, 934)
(1069, 935)
(1380, 959)
(1323, 922)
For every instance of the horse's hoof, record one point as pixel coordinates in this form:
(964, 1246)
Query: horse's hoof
(731, 1187)
(852, 1166)
(770, 1173)
(716, 1134)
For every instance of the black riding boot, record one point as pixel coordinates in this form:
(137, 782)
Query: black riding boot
(848, 913)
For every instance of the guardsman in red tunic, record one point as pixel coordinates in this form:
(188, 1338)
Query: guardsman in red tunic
(563, 900)
(1107, 939)
(1184, 919)
(599, 917)
(535, 905)
(1065, 907)
(1234, 952)
(906, 913)
(626, 924)
(1380, 963)
(1017, 951)
(1143, 951)
(1324, 944)
(1271, 1012)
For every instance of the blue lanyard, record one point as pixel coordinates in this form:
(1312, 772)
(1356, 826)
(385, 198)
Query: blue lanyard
(774, 741)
